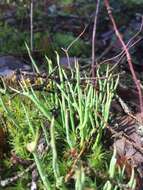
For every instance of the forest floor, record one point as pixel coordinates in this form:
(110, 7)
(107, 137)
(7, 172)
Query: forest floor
(63, 124)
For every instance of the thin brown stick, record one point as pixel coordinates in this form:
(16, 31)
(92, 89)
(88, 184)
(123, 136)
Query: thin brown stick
(8, 181)
(71, 44)
(103, 77)
(70, 173)
(129, 44)
(122, 56)
(93, 40)
(31, 25)
(122, 134)
(129, 60)
(122, 53)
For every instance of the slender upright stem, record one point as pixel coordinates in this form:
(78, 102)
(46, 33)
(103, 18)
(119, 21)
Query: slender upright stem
(31, 25)
(93, 39)
(129, 60)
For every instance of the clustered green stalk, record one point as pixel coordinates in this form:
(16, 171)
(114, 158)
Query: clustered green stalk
(83, 113)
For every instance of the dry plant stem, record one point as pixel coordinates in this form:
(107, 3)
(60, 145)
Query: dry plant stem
(129, 44)
(105, 52)
(102, 78)
(121, 135)
(136, 81)
(93, 40)
(70, 173)
(31, 25)
(122, 53)
(8, 181)
(71, 44)
(121, 59)
(127, 110)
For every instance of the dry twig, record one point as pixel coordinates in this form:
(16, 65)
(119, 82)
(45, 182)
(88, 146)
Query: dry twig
(129, 60)
(93, 39)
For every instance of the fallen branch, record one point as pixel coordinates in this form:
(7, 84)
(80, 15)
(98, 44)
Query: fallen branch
(10, 180)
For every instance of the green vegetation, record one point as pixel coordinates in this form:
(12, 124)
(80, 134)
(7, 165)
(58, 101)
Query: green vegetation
(58, 126)
(71, 122)
(134, 2)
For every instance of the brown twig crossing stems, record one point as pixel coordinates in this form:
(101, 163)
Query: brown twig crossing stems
(125, 48)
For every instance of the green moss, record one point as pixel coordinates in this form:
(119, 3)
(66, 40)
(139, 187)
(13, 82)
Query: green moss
(137, 2)
(62, 40)
(65, 2)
